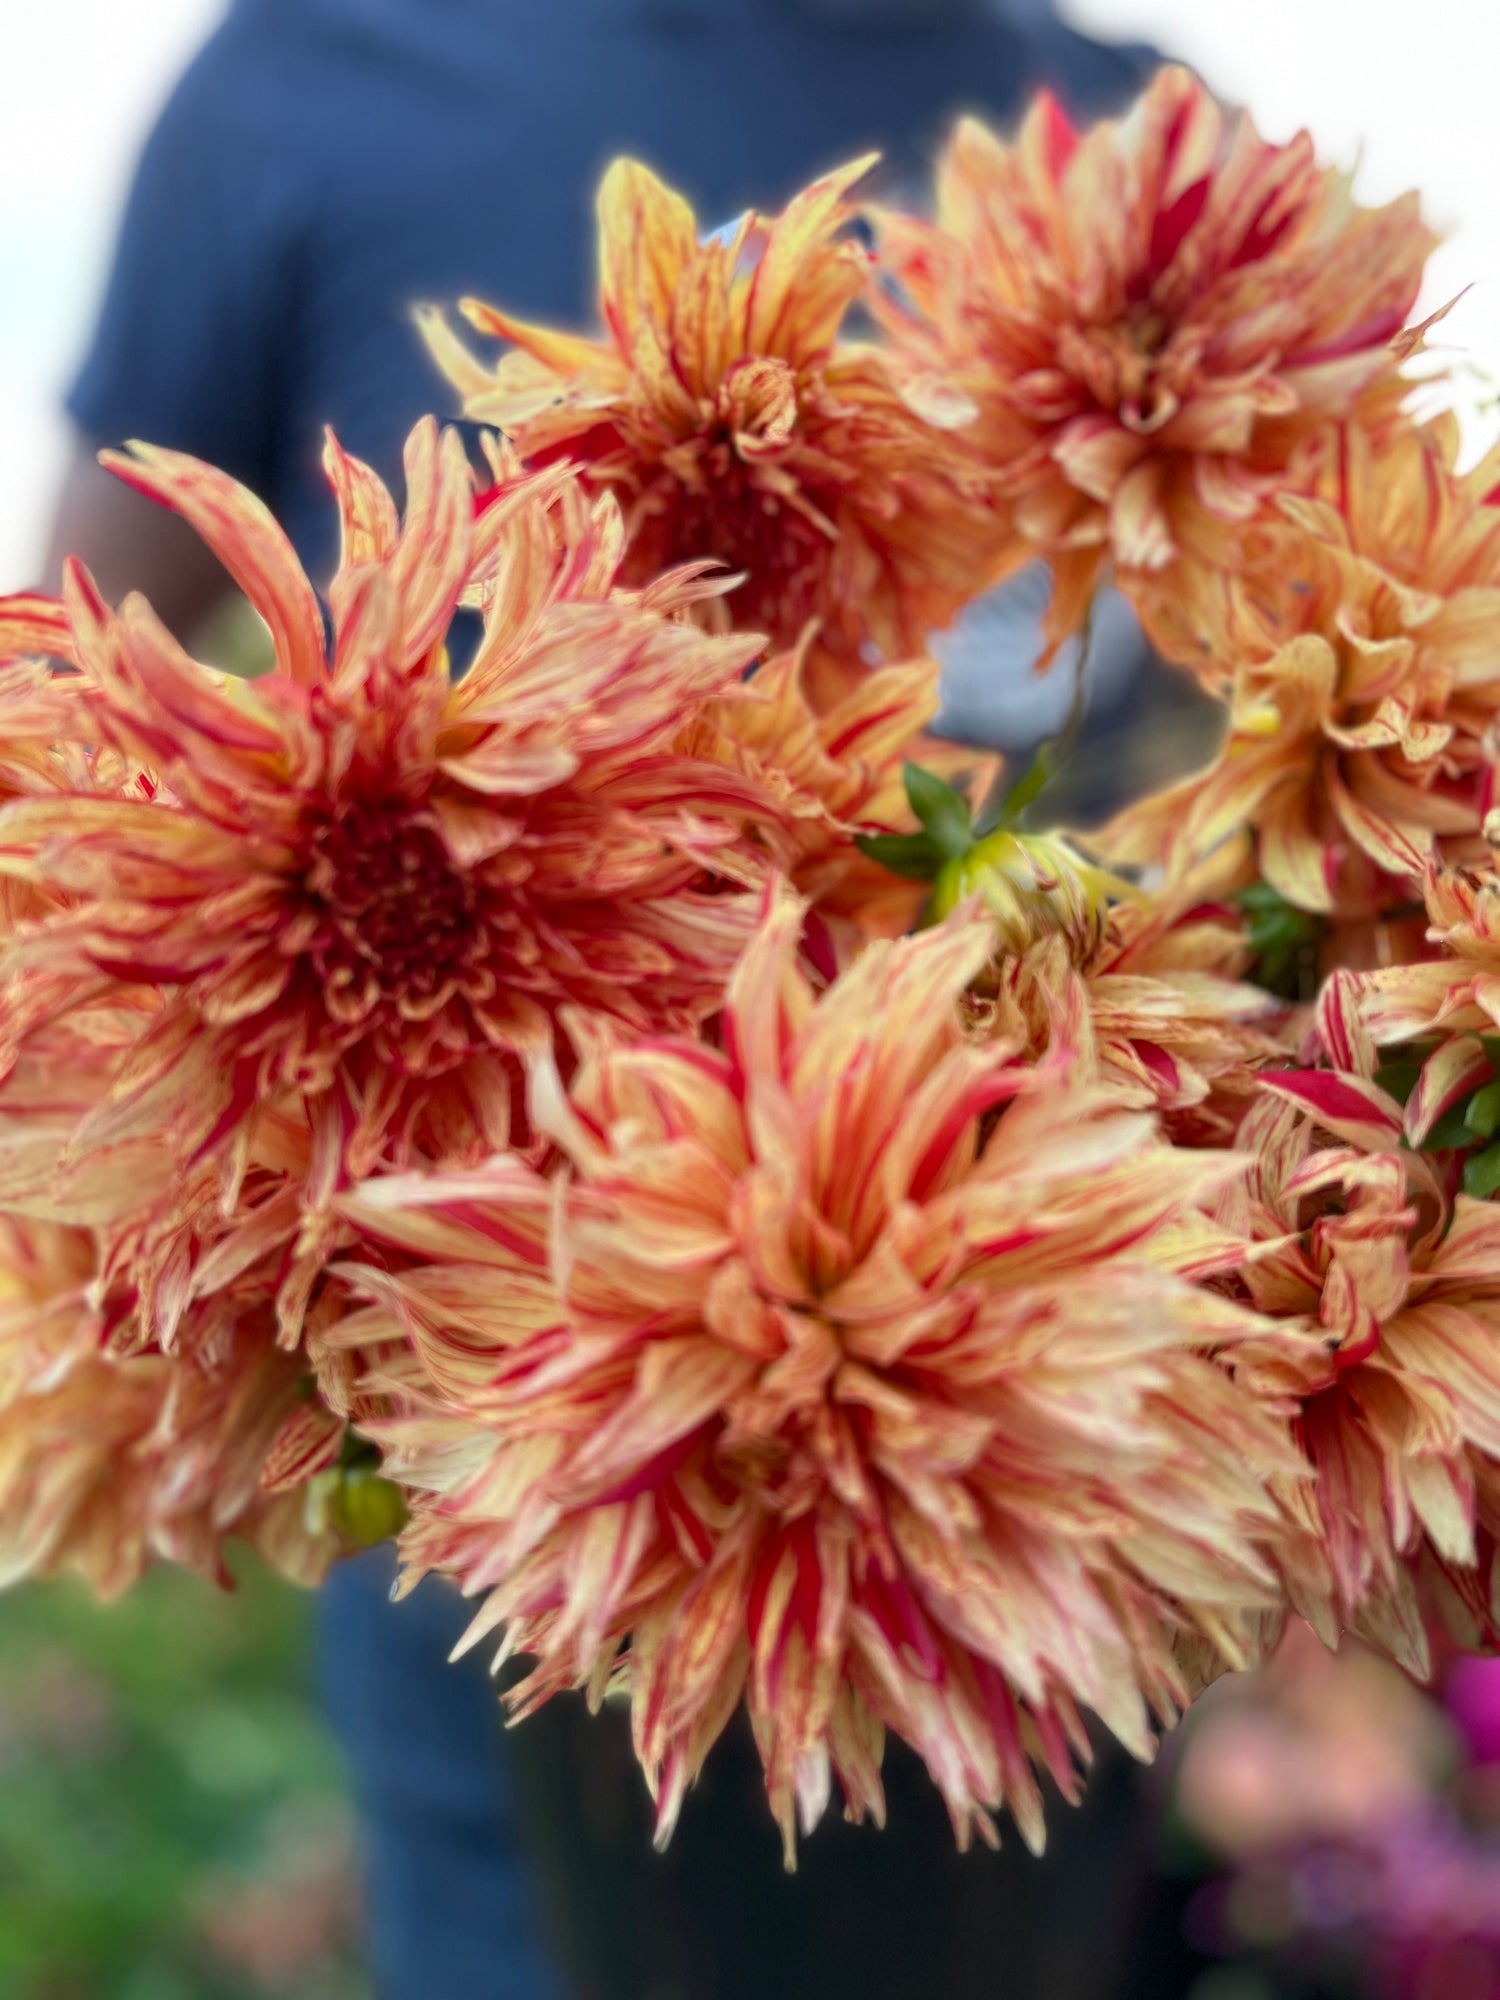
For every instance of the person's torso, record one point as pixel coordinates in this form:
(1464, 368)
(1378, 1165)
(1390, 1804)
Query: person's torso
(454, 148)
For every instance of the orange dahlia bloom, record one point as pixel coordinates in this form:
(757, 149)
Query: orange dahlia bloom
(109, 1459)
(1397, 1394)
(1364, 690)
(173, 1244)
(723, 410)
(1143, 328)
(352, 891)
(856, 1380)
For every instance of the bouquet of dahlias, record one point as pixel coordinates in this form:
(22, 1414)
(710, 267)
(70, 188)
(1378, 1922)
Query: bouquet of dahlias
(647, 1123)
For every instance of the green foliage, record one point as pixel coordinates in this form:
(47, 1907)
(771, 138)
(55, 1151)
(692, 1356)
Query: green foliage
(1284, 941)
(911, 855)
(172, 1825)
(1471, 1122)
(1029, 787)
(1482, 1112)
(942, 812)
(1399, 1077)
(1469, 1125)
(1452, 1129)
(1482, 1173)
(948, 831)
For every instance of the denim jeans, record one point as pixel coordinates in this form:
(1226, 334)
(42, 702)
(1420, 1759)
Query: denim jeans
(478, 1841)
(451, 1894)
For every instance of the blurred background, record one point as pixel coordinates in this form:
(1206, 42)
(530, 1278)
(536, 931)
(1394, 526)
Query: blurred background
(173, 1818)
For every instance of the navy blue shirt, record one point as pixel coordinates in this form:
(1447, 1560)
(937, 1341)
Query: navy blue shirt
(325, 164)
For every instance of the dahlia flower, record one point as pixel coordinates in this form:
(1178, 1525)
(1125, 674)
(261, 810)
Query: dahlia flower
(353, 892)
(1397, 1395)
(1153, 1006)
(36, 711)
(849, 1372)
(1360, 639)
(1142, 329)
(723, 410)
(1031, 886)
(108, 1458)
(1435, 1020)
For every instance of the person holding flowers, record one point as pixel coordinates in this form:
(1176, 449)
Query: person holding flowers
(801, 1244)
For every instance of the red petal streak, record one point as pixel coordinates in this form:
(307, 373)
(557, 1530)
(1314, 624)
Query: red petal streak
(1173, 224)
(1159, 1063)
(653, 1474)
(1059, 140)
(1372, 332)
(897, 1613)
(1342, 1102)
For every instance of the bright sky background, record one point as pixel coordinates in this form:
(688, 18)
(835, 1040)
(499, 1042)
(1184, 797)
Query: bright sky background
(84, 79)
(83, 82)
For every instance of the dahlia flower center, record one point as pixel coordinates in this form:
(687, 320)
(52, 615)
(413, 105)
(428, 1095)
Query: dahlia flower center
(758, 400)
(399, 919)
(1135, 369)
(1147, 331)
(722, 500)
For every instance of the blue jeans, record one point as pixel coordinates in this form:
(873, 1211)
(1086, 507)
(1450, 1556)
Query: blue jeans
(453, 1907)
(459, 1877)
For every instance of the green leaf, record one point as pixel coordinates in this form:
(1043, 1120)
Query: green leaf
(1283, 939)
(943, 812)
(1482, 1173)
(1483, 1113)
(1452, 1129)
(1398, 1079)
(1260, 896)
(914, 855)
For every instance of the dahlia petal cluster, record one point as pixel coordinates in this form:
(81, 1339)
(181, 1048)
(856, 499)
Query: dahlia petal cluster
(777, 1220)
(1355, 648)
(729, 419)
(836, 769)
(111, 1455)
(342, 899)
(353, 874)
(1397, 1401)
(1144, 329)
(1456, 993)
(864, 1388)
(265, 937)
(1150, 998)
